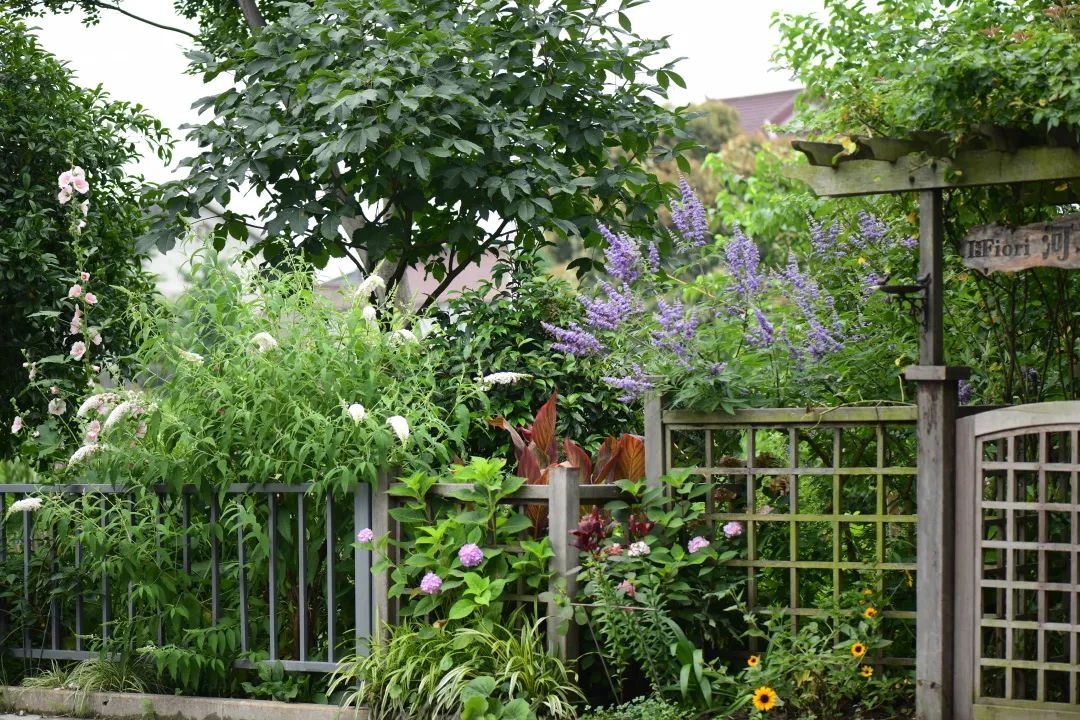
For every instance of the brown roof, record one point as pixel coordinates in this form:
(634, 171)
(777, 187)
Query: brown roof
(757, 111)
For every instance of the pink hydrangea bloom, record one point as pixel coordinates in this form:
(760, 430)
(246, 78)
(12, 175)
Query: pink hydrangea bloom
(697, 543)
(365, 536)
(626, 587)
(78, 349)
(91, 299)
(733, 529)
(16, 425)
(470, 555)
(430, 584)
(75, 291)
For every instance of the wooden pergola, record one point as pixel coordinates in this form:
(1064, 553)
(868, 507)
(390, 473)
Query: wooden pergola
(876, 166)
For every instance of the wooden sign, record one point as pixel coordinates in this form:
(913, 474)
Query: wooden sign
(993, 248)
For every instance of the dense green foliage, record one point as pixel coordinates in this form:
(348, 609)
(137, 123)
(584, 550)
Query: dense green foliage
(48, 124)
(644, 708)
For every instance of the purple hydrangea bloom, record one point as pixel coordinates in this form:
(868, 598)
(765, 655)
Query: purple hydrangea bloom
(430, 584)
(964, 392)
(573, 340)
(697, 543)
(688, 215)
(733, 529)
(743, 260)
(470, 555)
(633, 385)
(654, 258)
(608, 314)
(365, 536)
(624, 261)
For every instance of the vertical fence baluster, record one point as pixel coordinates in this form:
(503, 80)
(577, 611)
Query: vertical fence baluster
(362, 566)
(564, 507)
(302, 608)
(54, 602)
(80, 629)
(330, 640)
(380, 526)
(241, 556)
(130, 586)
(273, 575)
(104, 573)
(3, 562)
(158, 521)
(26, 581)
(215, 561)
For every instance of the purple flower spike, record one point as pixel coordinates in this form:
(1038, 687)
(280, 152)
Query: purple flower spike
(762, 335)
(654, 258)
(633, 386)
(470, 555)
(689, 217)
(624, 261)
(743, 260)
(609, 314)
(430, 584)
(676, 330)
(573, 340)
(964, 392)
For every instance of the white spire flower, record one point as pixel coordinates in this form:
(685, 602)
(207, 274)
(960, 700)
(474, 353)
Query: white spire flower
(357, 412)
(119, 413)
(84, 452)
(369, 285)
(504, 378)
(94, 402)
(265, 341)
(191, 357)
(400, 426)
(370, 314)
(404, 335)
(25, 505)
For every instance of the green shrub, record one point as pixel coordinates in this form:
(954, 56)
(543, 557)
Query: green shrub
(645, 708)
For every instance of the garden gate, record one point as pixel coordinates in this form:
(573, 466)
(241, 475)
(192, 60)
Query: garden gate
(1018, 564)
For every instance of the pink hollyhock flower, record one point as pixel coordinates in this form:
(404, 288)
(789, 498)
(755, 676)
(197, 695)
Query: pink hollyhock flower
(16, 425)
(91, 299)
(64, 196)
(54, 389)
(733, 529)
(140, 431)
(77, 172)
(65, 179)
(365, 536)
(57, 406)
(75, 291)
(470, 555)
(76, 322)
(697, 543)
(627, 588)
(95, 336)
(80, 185)
(430, 584)
(84, 208)
(78, 349)
(84, 276)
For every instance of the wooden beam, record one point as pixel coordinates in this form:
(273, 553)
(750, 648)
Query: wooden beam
(910, 173)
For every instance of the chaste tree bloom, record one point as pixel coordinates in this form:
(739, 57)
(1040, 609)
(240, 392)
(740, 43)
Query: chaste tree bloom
(573, 340)
(734, 528)
(430, 584)
(504, 378)
(264, 341)
(26, 505)
(357, 412)
(697, 543)
(688, 216)
(470, 555)
(639, 549)
(400, 426)
(365, 536)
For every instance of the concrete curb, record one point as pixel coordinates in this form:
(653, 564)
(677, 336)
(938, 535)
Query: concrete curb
(132, 706)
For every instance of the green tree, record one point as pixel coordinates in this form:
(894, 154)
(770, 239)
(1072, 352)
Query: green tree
(49, 124)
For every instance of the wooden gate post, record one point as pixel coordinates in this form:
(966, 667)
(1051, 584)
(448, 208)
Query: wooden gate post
(564, 509)
(937, 400)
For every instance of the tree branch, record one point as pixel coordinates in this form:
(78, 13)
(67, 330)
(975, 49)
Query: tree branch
(255, 19)
(141, 19)
(453, 272)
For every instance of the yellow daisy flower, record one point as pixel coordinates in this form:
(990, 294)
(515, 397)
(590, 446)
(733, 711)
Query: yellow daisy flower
(753, 661)
(870, 613)
(866, 671)
(867, 592)
(765, 698)
(858, 649)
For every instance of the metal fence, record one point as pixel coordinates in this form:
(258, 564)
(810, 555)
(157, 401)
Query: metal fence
(290, 626)
(827, 500)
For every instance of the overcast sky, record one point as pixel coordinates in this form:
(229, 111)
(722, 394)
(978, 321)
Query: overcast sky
(726, 45)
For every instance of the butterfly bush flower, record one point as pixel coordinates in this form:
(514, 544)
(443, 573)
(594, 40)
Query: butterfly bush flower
(84, 452)
(697, 543)
(16, 425)
(370, 314)
(504, 378)
(191, 357)
(369, 285)
(627, 588)
(57, 406)
(624, 262)
(365, 536)
(573, 340)
(400, 427)
(357, 412)
(128, 407)
(639, 549)
(264, 341)
(734, 529)
(430, 584)
(404, 335)
(96, 402)
(470, 555)
(688, 216)
(26, 505)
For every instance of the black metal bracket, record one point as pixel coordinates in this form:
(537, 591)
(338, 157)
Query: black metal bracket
(912, 298)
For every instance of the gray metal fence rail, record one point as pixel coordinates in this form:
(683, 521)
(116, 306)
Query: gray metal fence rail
(53, 647)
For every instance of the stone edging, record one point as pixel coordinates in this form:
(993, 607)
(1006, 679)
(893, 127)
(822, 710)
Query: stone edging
(132, 706)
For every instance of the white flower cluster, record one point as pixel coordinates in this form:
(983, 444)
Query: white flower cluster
(504, 378)
(29, 504)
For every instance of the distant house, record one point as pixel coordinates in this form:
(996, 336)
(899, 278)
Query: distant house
(757, 112)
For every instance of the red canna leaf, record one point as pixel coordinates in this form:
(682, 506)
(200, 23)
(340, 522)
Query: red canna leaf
(576, 457)
(543, 432)
(519, 443)
(632, 459)
(607, 460)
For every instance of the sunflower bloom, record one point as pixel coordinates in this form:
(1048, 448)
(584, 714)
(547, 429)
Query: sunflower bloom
(869, 613)
(753, 661)
(765, 698)
(858, 649)
(866, 671)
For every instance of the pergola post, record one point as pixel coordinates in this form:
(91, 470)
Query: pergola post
(937, 401)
